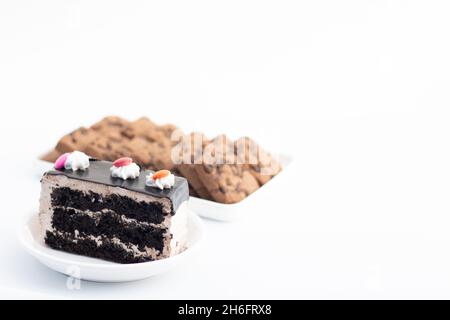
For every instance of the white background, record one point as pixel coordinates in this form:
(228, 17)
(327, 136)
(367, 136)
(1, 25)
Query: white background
(356, 91)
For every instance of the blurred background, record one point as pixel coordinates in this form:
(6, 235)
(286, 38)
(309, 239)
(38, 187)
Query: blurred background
(260, 68)
(357, 92)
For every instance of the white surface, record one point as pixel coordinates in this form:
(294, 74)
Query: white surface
(86, 268)
(357, 91)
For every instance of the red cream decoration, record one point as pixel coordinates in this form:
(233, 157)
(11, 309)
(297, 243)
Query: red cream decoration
(122, 162)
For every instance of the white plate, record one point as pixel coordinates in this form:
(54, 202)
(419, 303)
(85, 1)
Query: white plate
(98, 270)
(210, 209)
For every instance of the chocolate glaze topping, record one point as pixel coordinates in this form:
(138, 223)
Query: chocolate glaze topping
(99, 172)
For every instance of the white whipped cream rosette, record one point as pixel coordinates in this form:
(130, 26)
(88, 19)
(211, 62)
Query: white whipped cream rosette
(162, 179)
(125, 168)
(73, 161)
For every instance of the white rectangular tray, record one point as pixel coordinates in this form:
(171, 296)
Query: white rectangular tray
(210, 209)
(229, 212)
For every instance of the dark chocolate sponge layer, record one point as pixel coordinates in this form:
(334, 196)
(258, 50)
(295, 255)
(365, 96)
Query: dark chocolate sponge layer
(141, 211)
(110, 225)
(87, 247)
(99, 172)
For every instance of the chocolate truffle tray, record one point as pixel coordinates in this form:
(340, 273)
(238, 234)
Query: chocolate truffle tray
(215, 210)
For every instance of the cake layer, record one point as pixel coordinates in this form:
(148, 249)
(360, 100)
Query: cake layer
(111, 225)
(151, 212)
(101, 247)
(82, 190)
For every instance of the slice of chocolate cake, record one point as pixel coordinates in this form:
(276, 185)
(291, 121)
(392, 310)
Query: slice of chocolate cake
(112, 211)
